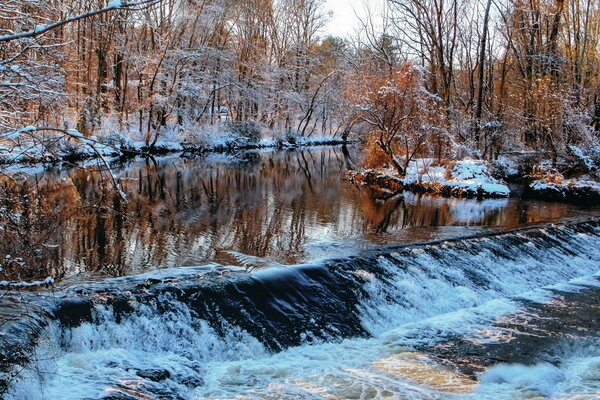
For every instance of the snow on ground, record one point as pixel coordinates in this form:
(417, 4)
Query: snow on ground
(423, 171)
(585, 158)
(310, 141)
(549, 183)
(473, 175)
(23, 284)
(583, 183)
(466, 177)
(162, 145)
(509, 166)
(51, 147)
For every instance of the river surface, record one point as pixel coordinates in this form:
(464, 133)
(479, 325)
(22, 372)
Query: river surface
(269, 276)
(254, 209)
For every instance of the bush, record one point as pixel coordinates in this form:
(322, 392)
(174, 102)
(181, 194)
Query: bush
(249, 130)
(374, 156)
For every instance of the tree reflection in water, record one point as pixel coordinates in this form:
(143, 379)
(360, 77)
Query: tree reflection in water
(284, 206)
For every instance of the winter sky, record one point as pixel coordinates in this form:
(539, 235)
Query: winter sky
(344, 20)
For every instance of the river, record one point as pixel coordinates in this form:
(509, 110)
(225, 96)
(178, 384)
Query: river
(267, 275)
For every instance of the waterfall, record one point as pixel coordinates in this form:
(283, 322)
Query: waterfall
(214, 331)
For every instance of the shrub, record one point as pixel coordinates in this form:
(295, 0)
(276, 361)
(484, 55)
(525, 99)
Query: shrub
(249, 130)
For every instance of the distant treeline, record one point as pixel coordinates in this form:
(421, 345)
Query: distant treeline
(419, 77)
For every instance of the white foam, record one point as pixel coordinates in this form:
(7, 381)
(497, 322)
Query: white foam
(419, 300)
(576, 375)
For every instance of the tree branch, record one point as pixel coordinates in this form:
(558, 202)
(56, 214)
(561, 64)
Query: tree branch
(42, 29)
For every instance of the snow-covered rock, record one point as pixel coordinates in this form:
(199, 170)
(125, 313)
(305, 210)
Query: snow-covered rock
(474, 175)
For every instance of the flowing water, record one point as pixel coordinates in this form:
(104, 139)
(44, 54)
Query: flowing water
(271, 277)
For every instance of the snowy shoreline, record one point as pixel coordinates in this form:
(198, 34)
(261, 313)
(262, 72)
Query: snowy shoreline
(471, 178)
(467, 178)
(580, 190)
(32, 156)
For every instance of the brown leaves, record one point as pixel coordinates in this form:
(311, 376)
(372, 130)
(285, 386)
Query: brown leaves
(401, 114)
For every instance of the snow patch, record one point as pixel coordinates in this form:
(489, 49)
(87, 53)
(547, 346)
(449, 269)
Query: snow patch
(115, 4)
(583, 183)
(468, 176)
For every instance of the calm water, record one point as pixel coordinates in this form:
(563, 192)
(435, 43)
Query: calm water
(255, 209)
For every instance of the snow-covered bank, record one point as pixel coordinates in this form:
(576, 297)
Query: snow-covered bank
(56, 147)
(572, 177)
(465, 178)
(471, 178)
(583, 189)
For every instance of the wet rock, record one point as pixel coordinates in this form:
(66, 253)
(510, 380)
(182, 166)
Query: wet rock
(122, 307)
(155, 375)
(119, 395)
(74, 312)
(192, 381)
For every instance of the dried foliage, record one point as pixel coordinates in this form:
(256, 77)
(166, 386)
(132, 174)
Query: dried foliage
(401, 114)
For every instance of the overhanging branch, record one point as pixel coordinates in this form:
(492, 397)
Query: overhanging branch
(42, 29)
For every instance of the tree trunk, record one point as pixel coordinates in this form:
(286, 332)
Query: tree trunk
(480, 67)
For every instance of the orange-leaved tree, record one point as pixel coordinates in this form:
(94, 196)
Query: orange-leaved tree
(401, 112)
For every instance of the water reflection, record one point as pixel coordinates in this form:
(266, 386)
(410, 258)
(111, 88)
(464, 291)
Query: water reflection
(286, 206)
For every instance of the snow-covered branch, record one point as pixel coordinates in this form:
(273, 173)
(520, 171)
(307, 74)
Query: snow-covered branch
(42, 29)
(73, 134)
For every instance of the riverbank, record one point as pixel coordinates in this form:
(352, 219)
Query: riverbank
(463, 179)
(467, 178)
(63, 148)
(480, 179)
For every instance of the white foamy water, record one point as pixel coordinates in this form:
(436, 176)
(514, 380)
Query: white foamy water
(412, 298)
(577, 376)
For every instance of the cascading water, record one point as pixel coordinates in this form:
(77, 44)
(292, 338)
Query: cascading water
(379, 325)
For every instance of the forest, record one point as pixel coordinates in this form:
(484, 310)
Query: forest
(443, 78)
